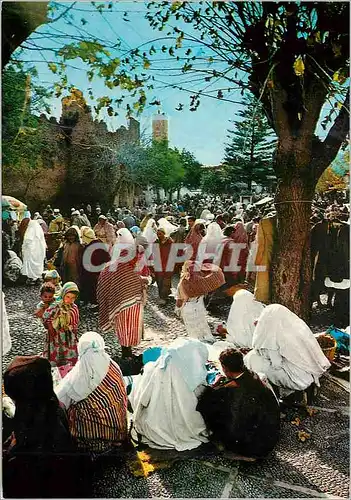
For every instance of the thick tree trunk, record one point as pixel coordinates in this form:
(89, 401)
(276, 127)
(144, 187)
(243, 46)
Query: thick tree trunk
(19, 20)
(291, 266)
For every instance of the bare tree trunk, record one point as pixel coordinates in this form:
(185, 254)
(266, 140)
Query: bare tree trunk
(291, 267)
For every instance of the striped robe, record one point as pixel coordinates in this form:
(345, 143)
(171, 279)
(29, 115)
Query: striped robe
(120, 298)
(99, 421)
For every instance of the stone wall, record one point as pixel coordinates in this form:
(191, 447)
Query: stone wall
(70, 141)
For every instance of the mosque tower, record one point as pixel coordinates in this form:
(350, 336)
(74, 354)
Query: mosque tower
(160, 127)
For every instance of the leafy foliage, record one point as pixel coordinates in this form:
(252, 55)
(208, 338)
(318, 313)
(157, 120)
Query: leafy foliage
(215, 181)
(193, 170)
(23, 133)
(164, 166)
(333, 178)
(248, 155)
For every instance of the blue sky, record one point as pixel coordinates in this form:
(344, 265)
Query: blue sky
(202, 132)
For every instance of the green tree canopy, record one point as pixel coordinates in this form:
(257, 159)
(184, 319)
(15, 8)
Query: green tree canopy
(214, 181)
(249, 152)
(23, 134)
(192, 170)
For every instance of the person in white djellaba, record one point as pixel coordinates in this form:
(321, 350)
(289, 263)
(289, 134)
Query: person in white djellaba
(286, 351)
(164, 397)
(33, 251)
(243, 314)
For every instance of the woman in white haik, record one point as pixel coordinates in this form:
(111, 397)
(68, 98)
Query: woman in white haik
(286, 351)
(243, 314)
(164, 397)
(33, 251)
(212, 244)
(150, 231)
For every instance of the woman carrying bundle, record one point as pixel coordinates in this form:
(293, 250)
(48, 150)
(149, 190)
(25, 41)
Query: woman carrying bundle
(196, 280)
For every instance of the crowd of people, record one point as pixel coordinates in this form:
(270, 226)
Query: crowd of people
(72, 402)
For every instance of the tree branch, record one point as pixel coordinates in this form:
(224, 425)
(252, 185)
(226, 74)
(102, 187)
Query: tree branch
(326, 151)
(63, 13)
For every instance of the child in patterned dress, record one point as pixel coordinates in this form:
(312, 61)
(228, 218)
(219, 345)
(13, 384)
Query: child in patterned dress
(61, 321)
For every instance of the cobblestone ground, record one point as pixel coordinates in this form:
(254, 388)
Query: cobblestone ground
(316, 468)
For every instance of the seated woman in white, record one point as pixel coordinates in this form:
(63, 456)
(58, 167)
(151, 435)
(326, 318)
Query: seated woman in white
(243, 314)
(286, 351)
(95, 397)
(164, 398)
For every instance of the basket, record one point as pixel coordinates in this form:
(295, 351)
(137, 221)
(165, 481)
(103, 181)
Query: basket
(328, 345)
(204, 281)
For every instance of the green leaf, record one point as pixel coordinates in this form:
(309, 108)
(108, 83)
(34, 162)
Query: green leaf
(146, 63)
(52, 67)
(299, 67)
(175, 6)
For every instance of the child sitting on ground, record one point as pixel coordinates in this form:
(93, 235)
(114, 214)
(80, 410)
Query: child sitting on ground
(47, 295)
(54, 278)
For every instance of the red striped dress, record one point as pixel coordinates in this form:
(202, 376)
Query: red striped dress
(99, 422)
(120, 298)
(129, 325)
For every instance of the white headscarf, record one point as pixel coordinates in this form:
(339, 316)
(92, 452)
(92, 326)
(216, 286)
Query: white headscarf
(34, 232)
(205, 213)
(214, 233)
(167, 226)
(279, 329)
(190, 357)
(88, 373)
(150, 231)
(125, 236)
(211, 244)
(245, 310)
(78, 232)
